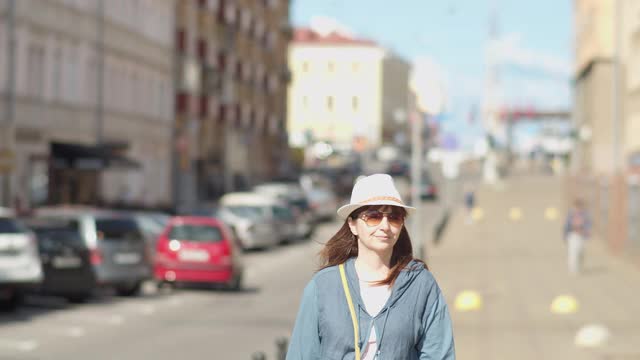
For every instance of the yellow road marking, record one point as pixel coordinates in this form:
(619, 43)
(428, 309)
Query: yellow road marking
(515, 214)
(564, 304)
(468, 300)
(477, 214)
(551, 213)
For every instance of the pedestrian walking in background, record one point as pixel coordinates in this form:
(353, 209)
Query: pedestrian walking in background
(469, 204)
(577, 231)
(371, 299)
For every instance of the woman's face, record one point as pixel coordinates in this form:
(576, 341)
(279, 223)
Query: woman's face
(378, 228)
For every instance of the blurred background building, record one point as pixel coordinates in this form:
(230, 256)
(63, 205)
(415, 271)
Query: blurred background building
(346, 91)
(92, 84)
(141, 103)
(607, 117)
(230, 100)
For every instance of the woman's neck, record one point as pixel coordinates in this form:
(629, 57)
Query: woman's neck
(371, 266)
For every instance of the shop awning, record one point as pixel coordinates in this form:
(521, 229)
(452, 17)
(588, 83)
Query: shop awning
(87, 157)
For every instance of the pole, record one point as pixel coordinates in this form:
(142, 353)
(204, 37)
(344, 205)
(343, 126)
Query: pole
(416, 183)
(100, 50)
(617, 121)
(11, 101)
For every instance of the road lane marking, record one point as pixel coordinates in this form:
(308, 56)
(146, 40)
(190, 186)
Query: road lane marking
(551, 213)
(564, 304)
(113, 320)
(592, 335)
(515, 214)
(174, 301)
(146, 309)
(19, 345)
(69, 331)
(468, 300)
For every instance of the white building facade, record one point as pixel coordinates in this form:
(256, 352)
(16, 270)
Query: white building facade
(78, 137)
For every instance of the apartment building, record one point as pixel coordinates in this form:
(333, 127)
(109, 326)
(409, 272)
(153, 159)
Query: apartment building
(92, 107)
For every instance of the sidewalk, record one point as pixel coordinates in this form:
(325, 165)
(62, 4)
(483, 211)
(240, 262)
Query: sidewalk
(518, 267)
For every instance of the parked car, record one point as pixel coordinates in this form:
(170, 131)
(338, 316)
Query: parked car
(198, 250)
(323, 203)
(251, 216)
(66, 260)
(295, 199)
(398, 167)
(152, 224)
(116, 245)
(20, 266)
(429, 189)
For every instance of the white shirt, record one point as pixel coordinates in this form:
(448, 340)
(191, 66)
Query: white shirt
(374, 298)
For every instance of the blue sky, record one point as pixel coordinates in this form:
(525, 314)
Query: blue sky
(536, 42)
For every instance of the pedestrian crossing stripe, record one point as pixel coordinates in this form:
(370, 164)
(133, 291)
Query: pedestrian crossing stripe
(515, 213)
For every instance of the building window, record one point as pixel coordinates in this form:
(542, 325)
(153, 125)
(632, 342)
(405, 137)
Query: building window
(3, 51)
(355, 103)
(331, 66)
(330, 103)
(305, 102)
(35, 74)
(305, 66)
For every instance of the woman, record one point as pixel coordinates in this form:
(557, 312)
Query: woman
(388, 306)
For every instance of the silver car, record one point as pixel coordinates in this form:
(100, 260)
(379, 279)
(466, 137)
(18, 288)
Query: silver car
(20, 265)
(251, 217)
(119, 254)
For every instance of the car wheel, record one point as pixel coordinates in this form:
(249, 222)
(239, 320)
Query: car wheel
(12, 302)
(236, 283)
(129, 290)
(78, 298)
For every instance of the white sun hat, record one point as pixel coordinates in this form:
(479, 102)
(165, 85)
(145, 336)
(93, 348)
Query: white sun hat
(376, 189)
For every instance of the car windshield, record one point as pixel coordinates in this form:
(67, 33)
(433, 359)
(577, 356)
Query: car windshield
(57, 235)
(282, 213)
(195, 233)
(115, 229)
(11, 226)
(150, 225)
(250, 212)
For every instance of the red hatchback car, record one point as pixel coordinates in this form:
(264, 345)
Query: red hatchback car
(198, 250)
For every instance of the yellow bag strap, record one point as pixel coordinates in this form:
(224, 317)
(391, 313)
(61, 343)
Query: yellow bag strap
(352, 310)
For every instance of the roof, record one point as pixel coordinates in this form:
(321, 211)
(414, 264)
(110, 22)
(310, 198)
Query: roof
(306, 35)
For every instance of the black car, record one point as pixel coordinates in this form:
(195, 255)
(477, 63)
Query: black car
(66, 261)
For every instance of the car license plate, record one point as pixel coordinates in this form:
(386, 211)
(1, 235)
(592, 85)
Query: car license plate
(193, 255)
(66, 262)
(127, 258)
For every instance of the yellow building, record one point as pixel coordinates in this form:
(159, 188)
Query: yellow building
(345, 91)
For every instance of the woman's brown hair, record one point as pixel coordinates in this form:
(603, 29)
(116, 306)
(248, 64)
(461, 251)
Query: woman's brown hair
(344, 245)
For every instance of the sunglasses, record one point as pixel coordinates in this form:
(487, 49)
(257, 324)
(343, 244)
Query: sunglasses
(374, 218)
